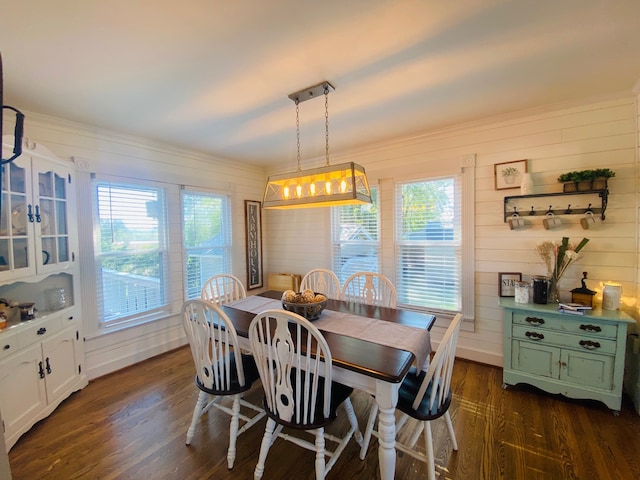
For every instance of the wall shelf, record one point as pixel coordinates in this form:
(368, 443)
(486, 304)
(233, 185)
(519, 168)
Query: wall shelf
(560, 203)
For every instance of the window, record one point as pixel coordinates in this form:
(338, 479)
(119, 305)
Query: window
(355, 243)
(130, 248)
(428, 244)
(206, 238)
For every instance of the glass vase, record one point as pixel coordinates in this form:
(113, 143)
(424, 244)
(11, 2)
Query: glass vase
(554, 291)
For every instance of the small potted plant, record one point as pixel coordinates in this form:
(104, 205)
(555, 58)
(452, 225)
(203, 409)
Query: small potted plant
(600, 177)
(586, 180)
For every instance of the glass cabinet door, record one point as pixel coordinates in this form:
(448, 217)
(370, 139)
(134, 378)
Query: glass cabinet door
(16, 215)
(51, 216)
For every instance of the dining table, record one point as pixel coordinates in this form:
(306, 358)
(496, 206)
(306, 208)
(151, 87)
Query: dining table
(372, 350)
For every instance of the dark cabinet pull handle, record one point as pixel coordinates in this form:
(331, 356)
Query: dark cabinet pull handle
(70, 318)
(535, 320)
(41, 331)
(38, 217)
(30, 213)
(589, 344)
(7, 347)
(590, 328)
(534, 335)
(41, 370)
(48, 366)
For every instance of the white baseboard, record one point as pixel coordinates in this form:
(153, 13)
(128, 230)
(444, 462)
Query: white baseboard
(489, 358)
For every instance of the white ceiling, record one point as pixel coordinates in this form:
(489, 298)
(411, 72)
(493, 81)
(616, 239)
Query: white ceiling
(214, 75)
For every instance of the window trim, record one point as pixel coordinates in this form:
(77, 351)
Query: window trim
(166, 309)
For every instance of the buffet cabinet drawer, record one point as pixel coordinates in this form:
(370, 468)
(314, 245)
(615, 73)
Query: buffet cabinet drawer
(8, 344)
(568, 323)
(577, 342)
(39, 329)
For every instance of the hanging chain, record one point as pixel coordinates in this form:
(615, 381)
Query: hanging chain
(298, 129)
(326, 121)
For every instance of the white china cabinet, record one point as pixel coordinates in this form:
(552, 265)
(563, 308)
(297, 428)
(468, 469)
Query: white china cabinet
(41, 359)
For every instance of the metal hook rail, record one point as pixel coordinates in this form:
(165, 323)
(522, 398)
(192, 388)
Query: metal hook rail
(535, 206)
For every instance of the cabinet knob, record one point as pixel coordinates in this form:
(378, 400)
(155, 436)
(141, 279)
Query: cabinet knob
(7, 347)
(41, 331)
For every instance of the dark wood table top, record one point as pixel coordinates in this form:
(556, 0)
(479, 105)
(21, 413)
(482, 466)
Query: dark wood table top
(371, 359)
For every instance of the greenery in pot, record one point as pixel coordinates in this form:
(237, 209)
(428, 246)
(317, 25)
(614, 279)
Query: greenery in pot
(586, 175)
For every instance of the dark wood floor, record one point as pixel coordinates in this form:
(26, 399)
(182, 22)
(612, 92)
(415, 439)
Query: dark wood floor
(132, 425)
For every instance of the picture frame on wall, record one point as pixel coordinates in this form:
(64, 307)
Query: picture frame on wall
(509, 174)
(507, 283)
(253, 230)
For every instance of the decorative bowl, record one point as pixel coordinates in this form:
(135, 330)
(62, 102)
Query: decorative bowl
(308, 310)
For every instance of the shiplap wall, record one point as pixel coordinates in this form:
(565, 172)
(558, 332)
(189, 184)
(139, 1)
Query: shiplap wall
(594, 134)
(110, 153)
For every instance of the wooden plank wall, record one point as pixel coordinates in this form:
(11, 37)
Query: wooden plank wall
(596, 134)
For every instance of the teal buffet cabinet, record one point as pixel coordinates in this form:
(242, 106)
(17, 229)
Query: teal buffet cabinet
(578, 356)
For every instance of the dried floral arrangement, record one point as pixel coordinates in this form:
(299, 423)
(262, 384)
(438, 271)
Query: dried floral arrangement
(557, 258)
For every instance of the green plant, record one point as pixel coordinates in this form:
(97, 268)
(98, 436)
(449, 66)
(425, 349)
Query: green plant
(584, 175)
(603, 173)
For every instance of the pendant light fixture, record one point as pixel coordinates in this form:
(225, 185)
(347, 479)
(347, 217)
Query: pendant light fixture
(342, 184)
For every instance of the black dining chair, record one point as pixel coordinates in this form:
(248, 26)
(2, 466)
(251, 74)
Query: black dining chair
(424, 396)
(221, 369)
(295, 368)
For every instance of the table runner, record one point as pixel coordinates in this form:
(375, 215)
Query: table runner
(381, 332)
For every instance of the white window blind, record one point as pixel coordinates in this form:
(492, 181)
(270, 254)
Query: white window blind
(428, 243)
(206, 238)
(356, 238)
(130, 251)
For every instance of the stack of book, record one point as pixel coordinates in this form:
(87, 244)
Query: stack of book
(573, 308)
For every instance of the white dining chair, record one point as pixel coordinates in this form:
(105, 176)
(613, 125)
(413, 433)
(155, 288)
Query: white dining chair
(424, 396)
(220, 372)
(295, 368)
(371, 288)
(223, 288)
(321, 280)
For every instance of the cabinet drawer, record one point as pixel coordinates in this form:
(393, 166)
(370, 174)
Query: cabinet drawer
(39, 331)
(8, 344)
(582, 325)
(578, 342)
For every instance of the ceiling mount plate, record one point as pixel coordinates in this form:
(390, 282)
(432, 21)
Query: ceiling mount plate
(311, 92)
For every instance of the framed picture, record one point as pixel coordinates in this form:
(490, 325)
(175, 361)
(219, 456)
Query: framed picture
(507, 283)
(509, 174)
(253, 224)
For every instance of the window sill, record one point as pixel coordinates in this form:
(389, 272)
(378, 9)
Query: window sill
(132, 323)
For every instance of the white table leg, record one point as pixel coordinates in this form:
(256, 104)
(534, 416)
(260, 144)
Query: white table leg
(387, 398)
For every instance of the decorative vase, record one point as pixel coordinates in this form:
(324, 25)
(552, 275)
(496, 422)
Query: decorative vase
(554, 291)
(526, 186)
